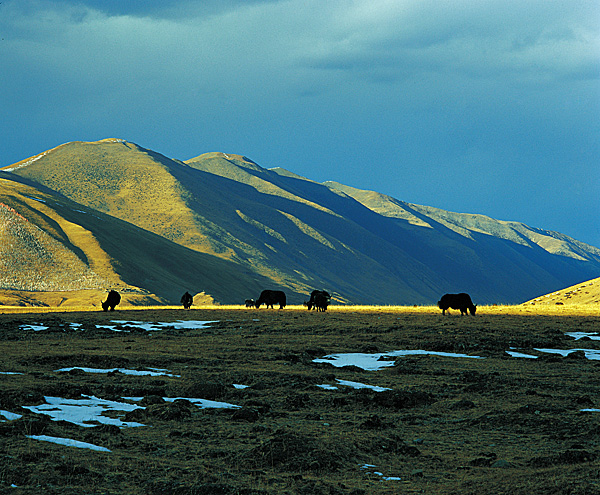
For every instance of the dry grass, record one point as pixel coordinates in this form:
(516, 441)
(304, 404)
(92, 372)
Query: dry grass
(520, 309)
(498, 425)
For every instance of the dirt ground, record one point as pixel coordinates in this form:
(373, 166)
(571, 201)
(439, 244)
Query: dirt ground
(446, 424)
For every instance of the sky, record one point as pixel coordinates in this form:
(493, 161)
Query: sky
(489, 107)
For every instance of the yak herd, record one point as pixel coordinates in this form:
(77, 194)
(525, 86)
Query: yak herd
(319, 300)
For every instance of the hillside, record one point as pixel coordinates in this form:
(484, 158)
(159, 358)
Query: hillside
(278, 229)
(580, 294)
(54, 251)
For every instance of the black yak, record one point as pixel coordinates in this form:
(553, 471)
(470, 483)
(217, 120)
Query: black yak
(187, 300)
(460, 301)
(319, 299)
(112, 300)
(250, 303)
(271, 297)
(321, 302)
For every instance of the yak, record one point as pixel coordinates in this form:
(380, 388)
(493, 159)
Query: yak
(250, 303)
(112, 300)
(460, 301)
(319, 299)
(187, 300)
(271, 297)
(321, 302)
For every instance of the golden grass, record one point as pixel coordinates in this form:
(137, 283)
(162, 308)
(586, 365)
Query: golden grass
(521, 309)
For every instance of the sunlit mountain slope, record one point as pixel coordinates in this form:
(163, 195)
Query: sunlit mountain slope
(585, 293)
(279, 229)
(50, 244)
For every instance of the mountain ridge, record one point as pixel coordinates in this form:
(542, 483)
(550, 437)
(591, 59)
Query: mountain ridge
(290, 232)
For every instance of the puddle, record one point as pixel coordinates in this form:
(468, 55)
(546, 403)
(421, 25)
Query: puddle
(129, 324)
(327, 387)
(153, 327)
(581, 335)
(68, 442)
(90, 410)
(377, 361)
(201, 403)
(125, 371)
(35, 327)
(39, 327)
(86, 412)
(518, 354)
(355, 385)
(205, 403)
(591, 354)
(9, 416)
(370, 468)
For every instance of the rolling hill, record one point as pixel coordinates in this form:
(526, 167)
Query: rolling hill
(249, 227)
(586, 293)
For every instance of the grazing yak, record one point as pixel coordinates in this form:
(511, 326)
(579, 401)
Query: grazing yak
(321, 302)
(460, 301)
(319, 299)
(112, 300)
(250, 303)
(271, 297)
(187, 300)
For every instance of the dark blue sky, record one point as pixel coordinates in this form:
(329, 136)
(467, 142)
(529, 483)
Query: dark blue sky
(481, 107)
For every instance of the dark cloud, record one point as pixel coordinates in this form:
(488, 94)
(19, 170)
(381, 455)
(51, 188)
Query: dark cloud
(482, 107)
(161, 8)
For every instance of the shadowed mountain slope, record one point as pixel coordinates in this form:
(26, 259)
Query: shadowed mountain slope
(279, 229)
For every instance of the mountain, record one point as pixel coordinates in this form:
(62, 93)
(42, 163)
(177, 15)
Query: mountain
(54, 251)
(273, 228)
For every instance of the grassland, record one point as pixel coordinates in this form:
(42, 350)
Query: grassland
(447, 425)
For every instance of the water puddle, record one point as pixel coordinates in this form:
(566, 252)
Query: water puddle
(370, 468)
(8, 416)
(581, 335)
(68, 442)
(201, 403)
(153, 327)
(124, 371)
(128, 325)
(355, 385)
(90, 410)
(377, 361)
(591, 354)
(87, 412)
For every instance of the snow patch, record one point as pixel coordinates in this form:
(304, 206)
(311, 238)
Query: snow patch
(28, 162)
(68, 442)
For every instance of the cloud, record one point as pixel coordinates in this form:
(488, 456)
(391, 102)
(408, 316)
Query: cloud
(473, 39)
(417, 85)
